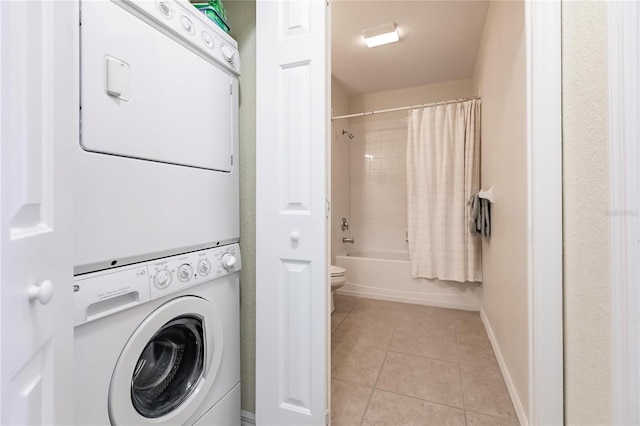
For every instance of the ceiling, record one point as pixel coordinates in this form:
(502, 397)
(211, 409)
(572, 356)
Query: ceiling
(438, 42)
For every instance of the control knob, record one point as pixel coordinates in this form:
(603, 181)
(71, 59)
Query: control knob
(164, 9)
(228, 52)
(228, 260)
(208, 41)
(204, 267)
(187, 24)
(185, 271)
(163, 278)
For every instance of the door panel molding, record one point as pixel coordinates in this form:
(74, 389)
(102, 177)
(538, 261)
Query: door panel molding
(292, 297)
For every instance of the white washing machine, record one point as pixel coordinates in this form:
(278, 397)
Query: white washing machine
(159, 342)
(158, 133)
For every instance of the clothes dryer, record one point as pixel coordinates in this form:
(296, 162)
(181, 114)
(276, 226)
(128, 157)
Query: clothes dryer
(156, 169)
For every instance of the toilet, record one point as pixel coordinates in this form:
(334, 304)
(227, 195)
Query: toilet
(338, 278)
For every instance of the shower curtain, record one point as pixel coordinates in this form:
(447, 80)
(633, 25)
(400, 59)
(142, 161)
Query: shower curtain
(443, 172)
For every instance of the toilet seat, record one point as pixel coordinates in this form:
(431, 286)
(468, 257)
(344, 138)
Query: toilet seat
(337, 271)
(338, 279)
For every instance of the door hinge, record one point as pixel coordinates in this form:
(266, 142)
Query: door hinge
(328, 206)
(327, 417)
(232, 160)
(231, 89)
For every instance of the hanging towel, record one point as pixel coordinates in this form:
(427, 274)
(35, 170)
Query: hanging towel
(485, 206)
(479, 215)
(474, 223)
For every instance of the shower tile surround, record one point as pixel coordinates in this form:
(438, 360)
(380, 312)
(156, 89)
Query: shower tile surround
(395, 363)
(378, 184)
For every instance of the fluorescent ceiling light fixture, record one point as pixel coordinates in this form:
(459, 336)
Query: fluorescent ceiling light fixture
(384, 34)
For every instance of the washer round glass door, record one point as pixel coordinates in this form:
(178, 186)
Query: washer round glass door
(169, 368)
(168, 365)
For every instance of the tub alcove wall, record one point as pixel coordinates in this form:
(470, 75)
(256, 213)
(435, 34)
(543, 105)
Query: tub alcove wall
(377, 208)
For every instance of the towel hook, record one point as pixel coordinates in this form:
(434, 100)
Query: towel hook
(487, 195)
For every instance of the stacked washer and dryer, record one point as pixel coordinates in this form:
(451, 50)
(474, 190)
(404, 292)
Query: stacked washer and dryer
(156, 287)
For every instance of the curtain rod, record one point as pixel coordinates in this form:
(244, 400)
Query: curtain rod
(362, 114)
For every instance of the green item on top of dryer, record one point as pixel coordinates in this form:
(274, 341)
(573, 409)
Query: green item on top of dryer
(215, 11)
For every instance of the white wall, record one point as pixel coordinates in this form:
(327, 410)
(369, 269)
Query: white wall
(587, 321)
(340, 167)
(409, 96)
(378, 163)
(500, 78)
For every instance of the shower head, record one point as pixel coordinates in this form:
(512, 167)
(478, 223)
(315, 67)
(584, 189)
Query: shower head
(345, 132)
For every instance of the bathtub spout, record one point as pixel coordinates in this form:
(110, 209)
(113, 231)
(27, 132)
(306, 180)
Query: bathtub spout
(348, 240)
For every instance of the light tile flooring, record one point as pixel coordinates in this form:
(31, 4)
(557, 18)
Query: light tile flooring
(401, 364)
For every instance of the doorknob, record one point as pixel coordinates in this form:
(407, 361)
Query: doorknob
(42, 293)
(295, 236)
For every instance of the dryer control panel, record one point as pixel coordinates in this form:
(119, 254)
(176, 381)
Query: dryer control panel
(179, 19)
(104, 293)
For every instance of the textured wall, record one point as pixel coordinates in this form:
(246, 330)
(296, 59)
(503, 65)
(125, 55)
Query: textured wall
(586, 223)
(500, 76)
(242, 19)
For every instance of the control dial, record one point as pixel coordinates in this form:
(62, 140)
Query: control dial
(187, 24)
(185, 272)
(228, 52)
(204, 267)
(208, 41)
(162, 278)
(164, 9)
(228, 260)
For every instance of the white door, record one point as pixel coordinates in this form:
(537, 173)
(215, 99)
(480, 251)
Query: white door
(38, 128)
(291, 283)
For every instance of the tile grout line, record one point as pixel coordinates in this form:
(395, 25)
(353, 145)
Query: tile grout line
(464, 405)
(474, 367)
(386, 352)
(442, 404)
(358, 384)
(373, 389)
(458, 363)
(493, 416)
(422, 399)
(422, 356)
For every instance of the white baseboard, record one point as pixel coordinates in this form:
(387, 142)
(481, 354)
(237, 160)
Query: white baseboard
(511, 387)
(356, 290)
(247, 418)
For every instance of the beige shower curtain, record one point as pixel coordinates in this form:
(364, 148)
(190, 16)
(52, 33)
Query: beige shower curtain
(443, 171)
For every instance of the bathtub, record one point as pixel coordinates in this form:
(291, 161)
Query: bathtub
(387, 276)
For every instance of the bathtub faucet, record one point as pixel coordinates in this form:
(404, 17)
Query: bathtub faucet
(348, 240)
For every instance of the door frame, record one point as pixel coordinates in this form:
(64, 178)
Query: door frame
(624, 133)
(544, 233)
(544, 227)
